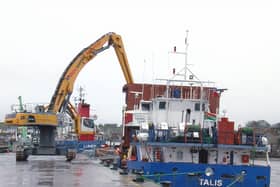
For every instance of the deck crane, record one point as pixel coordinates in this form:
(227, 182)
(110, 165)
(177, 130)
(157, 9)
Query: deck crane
(46, 118)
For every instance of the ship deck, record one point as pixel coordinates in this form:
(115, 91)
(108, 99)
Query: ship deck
(203, 145)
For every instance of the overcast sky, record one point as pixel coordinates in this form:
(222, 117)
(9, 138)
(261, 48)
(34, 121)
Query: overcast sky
(234, 43)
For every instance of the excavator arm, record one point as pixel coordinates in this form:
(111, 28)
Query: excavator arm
(46, 118)
(75, 116)
(64, 89)
(60, 99)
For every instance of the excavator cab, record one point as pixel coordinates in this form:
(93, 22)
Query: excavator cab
(88, 123)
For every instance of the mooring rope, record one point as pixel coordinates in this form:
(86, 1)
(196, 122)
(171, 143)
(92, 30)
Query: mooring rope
(157, 176)
(238, 179)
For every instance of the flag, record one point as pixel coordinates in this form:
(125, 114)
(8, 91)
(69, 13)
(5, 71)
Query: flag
(216, 94)
(210, 116)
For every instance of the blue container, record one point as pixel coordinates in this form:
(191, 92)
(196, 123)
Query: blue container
(177, 93)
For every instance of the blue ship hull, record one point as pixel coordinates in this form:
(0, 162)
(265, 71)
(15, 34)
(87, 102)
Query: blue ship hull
(190, 174)
(80, 146)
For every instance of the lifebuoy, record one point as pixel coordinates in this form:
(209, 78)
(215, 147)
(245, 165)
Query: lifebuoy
(245, 158)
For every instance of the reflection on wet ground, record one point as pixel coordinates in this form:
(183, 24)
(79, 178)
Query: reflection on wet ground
(55, 171)
(275, 172)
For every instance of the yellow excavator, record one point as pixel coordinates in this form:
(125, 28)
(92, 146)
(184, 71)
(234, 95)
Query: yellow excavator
(46, 118)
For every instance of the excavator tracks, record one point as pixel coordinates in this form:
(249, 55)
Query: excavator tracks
(21, 155)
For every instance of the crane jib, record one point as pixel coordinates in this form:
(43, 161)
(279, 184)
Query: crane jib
(65, 85)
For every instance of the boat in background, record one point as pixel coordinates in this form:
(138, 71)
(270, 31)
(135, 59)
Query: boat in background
(174, 135)
(68, 136)
(83, 137)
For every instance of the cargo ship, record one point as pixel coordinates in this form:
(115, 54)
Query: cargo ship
(175, 135)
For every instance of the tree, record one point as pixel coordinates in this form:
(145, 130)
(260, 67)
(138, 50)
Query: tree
(258, 124)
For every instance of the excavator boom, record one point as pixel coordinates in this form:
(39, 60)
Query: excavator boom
(65, 85)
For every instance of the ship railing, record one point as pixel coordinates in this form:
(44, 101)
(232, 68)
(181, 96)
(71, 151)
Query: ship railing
(202, 136)
(29, 107)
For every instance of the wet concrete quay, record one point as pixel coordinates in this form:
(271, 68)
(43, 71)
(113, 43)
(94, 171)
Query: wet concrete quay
(55, 171)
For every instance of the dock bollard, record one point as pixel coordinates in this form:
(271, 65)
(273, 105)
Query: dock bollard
(115, 166)
(107, 163)
(165, 184)
(124, 171)
(139, 178)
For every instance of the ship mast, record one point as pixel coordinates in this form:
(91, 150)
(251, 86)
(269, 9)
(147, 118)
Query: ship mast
(186, 55)
(187, 78)
(185, 69)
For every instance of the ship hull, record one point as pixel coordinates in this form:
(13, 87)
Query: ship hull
(192, 174)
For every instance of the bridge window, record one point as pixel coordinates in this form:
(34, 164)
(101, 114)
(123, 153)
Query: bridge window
(145, 106)
(197, 106)
(162, 105)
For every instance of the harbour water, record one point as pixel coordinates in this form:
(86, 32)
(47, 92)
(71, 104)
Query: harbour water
(55, 171)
